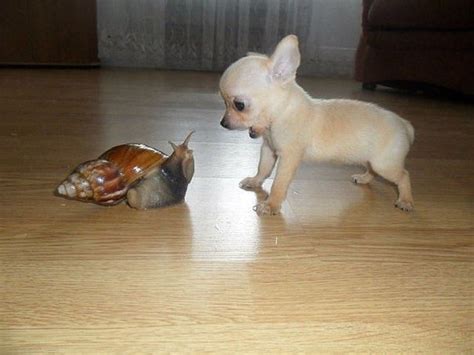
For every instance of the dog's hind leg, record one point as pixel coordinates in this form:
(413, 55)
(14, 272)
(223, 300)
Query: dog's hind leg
(399, 176)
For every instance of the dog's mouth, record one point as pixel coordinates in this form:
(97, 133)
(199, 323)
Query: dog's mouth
(253, 133)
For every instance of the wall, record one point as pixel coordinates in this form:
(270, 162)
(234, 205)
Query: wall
(210, 34)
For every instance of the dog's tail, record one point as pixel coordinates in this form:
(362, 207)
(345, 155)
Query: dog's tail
(410, 130)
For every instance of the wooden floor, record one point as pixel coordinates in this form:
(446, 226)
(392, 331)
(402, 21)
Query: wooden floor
(340, 270)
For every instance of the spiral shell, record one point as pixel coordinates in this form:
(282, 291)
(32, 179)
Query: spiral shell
(96, 180)
(134, 160)
(105, 181)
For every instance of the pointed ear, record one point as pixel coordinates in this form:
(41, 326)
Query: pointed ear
(285, 59)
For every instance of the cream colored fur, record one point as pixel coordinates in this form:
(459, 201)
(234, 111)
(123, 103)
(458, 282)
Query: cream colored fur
(295, 126)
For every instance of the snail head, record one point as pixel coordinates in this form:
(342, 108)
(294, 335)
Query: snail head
(182, 157)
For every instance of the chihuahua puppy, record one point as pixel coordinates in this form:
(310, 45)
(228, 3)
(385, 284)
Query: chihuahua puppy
(261, 95)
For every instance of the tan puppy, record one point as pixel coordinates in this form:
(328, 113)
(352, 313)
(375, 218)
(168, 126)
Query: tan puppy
(261, 95)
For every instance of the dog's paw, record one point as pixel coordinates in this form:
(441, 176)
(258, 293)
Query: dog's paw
(406, 206)
(265, 208)
(250, 183)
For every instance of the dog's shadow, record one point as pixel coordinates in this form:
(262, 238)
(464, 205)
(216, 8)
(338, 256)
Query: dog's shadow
(362, 207)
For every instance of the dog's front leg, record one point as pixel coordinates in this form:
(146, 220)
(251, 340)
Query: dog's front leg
(265, 168)
(286, 170)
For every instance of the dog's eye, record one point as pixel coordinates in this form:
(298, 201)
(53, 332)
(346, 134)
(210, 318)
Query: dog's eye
(239, 105)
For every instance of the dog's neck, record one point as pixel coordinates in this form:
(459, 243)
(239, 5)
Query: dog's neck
(290, 98)
(288, 101)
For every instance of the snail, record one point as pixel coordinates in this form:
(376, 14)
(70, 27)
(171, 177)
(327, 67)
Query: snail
(143, 175)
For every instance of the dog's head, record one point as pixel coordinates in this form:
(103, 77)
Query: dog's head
(253, 87)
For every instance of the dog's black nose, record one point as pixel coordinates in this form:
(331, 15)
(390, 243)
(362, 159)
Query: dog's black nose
(224, 123)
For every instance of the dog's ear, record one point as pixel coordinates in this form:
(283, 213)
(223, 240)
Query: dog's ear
(285, 59)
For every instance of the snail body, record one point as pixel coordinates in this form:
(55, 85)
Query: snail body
(166, 184)
(143, 175)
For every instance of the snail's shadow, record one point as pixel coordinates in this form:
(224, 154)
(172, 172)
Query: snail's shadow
(119, 230)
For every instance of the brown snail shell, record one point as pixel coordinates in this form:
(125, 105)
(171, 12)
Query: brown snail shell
(107, 180)
(97, 181)
(134, 160)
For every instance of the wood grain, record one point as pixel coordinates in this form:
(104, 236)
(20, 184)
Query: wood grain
(340, 270)
(48, 32)
(15, 45)
(63, 32)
